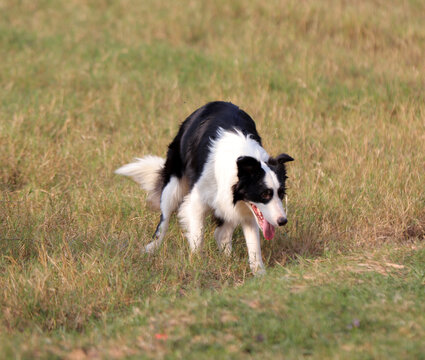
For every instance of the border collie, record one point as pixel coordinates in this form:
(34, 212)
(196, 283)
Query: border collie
(216, 162)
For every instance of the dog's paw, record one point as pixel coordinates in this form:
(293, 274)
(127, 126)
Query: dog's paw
(260, 272)
(152, 247)
(257, 266)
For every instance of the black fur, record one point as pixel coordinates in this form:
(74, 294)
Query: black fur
(251, 184)
(277, 164)
(218, 220)
(188, 152)
(156, 233)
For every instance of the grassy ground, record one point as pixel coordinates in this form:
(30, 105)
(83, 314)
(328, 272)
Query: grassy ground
(86, 86)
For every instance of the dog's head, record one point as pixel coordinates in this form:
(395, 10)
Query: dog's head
(262, 187)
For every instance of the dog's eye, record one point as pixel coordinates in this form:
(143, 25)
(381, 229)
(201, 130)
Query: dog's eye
(267, 195)
(281, 192)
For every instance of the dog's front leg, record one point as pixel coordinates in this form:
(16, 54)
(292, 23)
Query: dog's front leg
(191, 215)
(252, 238)
(223, 237)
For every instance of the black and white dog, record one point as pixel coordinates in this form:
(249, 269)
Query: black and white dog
(216, 162)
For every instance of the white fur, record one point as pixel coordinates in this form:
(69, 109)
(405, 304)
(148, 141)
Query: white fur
(145, 171)
(252, 238)
(220, 174)
(213, 190)
(171, 197)
(191, 214)
(223, 237)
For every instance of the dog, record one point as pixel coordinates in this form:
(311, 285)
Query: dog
(216, 162)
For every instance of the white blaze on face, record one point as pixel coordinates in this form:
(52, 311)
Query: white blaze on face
(273, 210)
(267, 215)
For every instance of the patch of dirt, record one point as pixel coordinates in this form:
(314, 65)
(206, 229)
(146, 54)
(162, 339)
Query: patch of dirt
(11, 180)
(415, 229)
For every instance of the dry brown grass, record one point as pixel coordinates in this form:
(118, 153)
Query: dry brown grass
(87, 86)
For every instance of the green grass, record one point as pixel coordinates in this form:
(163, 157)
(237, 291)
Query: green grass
(354, 307)
(85, 87)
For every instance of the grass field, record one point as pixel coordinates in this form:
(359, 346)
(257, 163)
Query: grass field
(86, 86)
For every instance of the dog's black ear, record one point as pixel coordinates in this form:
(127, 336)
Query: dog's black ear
(249, 171)
(248, 166)
(283, 158)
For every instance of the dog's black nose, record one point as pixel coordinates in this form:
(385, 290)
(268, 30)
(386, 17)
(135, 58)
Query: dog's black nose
(282, 221)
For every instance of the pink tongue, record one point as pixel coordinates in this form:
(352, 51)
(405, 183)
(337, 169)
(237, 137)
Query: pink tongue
(268, 230)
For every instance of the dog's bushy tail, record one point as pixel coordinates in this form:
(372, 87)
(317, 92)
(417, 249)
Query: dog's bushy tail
(147, 172)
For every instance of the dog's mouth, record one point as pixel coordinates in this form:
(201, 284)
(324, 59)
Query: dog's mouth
(268, 229)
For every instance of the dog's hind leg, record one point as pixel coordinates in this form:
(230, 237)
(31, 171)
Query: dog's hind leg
(158, 235)
(223, 236)
(171, 197)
